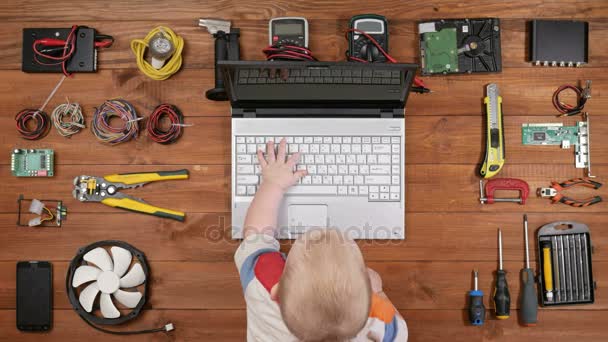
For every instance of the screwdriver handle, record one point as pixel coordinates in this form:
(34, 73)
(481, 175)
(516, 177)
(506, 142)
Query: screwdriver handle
(547, 270)
(502, 297)
(529, 299)
(477, 311)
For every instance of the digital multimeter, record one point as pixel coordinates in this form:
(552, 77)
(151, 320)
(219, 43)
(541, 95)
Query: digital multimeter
(288, 31)
(359, 46)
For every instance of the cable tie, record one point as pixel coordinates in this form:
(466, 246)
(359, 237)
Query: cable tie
(135, 120)
(182, 125)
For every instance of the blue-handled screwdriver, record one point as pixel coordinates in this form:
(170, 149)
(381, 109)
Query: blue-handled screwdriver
(477, 311)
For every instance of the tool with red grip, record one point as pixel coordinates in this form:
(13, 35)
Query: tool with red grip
(486, 193)
(554, 192)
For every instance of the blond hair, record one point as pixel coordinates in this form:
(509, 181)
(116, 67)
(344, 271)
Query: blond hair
(324, 292)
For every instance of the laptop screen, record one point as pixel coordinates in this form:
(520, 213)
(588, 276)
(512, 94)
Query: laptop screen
(254, 85)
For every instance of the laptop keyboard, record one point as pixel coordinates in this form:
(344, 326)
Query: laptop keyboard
(356, 166)
(319, 76)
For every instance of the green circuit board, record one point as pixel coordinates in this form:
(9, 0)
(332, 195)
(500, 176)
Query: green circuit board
(32, 163)
(440, 51)
(549, 134)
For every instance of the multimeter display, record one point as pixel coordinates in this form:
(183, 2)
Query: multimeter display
(370, 26)
(281, 29)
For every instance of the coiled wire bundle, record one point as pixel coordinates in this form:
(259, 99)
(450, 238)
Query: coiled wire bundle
(101, 128)
(40, 129)
(68, 119)
(171, 134)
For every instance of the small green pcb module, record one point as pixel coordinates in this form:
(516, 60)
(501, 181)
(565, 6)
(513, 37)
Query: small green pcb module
(32, 163)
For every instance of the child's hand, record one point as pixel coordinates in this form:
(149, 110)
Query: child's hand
(276, 171)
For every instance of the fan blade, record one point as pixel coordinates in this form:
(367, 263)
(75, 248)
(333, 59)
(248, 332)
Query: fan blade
(100, 258)
(128, 299)
(108, 310)
(85, 274)
(87, 296)
(122, 260)
(135, 277)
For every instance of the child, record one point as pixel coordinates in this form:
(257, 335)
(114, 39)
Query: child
(322, 291)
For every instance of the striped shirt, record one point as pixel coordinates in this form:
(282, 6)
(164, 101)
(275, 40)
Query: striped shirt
(260, 265)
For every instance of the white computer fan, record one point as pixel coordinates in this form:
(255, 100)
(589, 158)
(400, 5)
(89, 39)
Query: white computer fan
(94, 273)
(108, 277)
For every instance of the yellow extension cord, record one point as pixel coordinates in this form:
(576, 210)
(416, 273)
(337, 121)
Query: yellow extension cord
(171, 66)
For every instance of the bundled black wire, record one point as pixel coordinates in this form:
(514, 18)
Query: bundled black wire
(288, 53)
(171, 134)
(582, 94)
(41, 127)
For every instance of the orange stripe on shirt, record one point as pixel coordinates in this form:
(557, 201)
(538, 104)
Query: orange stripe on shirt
(382, 309)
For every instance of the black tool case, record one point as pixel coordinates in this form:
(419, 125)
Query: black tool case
(570, 258)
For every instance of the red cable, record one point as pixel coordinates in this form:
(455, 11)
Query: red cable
(174, 131)
(417, 81)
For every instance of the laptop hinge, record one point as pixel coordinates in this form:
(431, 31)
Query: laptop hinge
(248, 113)
(391, 113)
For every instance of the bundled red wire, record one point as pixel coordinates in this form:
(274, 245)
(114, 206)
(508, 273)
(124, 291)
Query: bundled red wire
(40, 129)
(581, 98)
(420, 87)
(171, 134)
(288, 53)
(45, 47)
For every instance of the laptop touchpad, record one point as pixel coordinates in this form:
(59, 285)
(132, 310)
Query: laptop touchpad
(304, 216)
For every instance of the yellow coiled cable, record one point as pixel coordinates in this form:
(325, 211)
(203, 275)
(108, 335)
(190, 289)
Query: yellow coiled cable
(172, 65)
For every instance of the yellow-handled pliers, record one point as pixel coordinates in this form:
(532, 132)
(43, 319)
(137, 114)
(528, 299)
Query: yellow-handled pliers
(106, 190)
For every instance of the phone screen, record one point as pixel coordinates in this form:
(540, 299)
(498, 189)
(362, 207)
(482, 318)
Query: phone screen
(34, 295)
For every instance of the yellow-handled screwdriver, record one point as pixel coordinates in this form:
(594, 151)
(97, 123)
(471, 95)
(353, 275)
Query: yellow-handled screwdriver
(547, 270)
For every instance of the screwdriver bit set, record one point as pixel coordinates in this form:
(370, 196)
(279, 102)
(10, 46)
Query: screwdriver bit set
(566, 275)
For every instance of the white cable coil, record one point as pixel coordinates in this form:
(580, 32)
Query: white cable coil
(68, 119)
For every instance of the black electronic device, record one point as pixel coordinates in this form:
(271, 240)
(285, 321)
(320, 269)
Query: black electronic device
(562, 43)
(64, 50)
(34, 295)
(309, 89)
(288, 31)
(458, 46)
(367, 36)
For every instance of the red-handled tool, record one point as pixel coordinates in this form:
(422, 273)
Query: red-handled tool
(486, 193)
(554, 192)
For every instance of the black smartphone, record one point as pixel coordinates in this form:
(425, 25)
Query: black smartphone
(34, 295)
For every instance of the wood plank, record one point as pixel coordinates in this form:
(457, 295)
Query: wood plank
(525, 91)
(326, 41)
(190, 325)
(205, 182)
(229, 325)
(207, 237)
(553, 325)
(409, 285)
(429, 140)
(266, 9)
(429, 188)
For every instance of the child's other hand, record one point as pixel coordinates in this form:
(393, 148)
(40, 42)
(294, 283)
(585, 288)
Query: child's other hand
(276, 170)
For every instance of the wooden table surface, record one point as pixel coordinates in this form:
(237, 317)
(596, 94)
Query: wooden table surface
(194, 282)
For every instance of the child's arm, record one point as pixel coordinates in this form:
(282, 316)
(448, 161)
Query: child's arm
(278, 176)
(376, 283)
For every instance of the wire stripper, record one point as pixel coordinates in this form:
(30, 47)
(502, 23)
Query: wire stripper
(554, 192)
(106, 190)
(495, 145)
